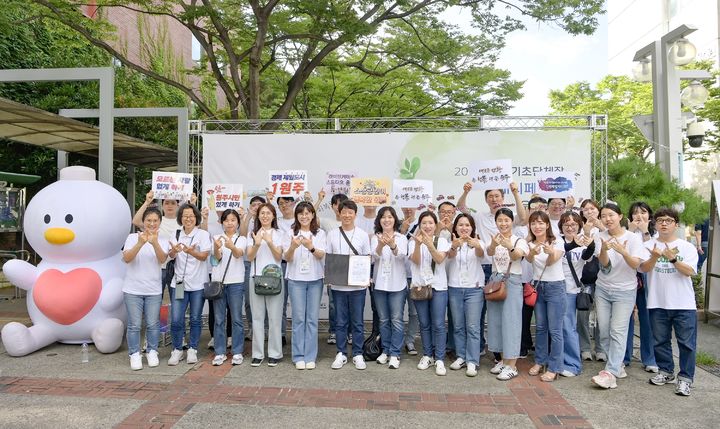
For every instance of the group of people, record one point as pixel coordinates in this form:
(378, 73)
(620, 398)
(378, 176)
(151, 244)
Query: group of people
(437, 264)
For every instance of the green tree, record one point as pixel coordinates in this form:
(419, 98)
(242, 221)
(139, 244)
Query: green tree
(632, 179)
(621, 98)
(27, 40)
(272, 58)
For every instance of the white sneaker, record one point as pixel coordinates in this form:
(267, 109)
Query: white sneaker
(586, 356)
(394, 362)
(622, 374)
(459, 363)
(605, 380)
(652, 368)
(135, 361)
(175, 357)
(425, 362)
(497, 369)
(359, 362)
(237, 359)
(211, 343)
(440, 368)
(601, 357)
(382, 359)
(217, 361)
(566, 373)
(339, 362)
(300, 364)
(310, 365)
(507, 373)
(152, 358)
(471, 370)
(192, 356)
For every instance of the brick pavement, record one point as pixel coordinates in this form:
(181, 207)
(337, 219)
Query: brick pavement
(166, 403)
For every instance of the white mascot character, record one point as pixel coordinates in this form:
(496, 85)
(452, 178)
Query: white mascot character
(78, 226)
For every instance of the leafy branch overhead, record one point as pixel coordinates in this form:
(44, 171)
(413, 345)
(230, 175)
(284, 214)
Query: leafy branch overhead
(277, 59)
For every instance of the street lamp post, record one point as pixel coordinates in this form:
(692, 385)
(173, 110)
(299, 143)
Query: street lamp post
(672, 49)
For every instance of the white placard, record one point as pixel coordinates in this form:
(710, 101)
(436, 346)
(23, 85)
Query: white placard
(220, 196)
(556, 184)
(415, 194)
(172, 186)
(493, 174)
(288, 183)
(359, 270)
(338, 182)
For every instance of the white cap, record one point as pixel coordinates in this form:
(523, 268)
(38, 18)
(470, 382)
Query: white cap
(77, 172)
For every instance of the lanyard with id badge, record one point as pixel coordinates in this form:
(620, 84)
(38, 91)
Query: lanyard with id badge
(465, 280)
(305, 260)
(180, 284)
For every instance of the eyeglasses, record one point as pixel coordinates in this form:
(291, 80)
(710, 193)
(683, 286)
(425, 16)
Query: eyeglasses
(665, 221)
(448, 212)
(189, 217)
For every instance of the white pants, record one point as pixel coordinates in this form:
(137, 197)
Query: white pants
(273, 305)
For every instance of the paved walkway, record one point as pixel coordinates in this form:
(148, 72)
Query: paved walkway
(51, 388)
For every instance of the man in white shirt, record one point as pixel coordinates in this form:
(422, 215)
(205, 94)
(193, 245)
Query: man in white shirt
(327, 225)
(671, 301)
(349, 300)
(286, 205)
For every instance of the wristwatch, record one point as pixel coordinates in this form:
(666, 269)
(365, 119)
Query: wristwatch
(673, 260)
(312, 250)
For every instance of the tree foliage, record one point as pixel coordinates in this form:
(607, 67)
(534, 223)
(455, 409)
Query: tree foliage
(632, 179)
(278, 59)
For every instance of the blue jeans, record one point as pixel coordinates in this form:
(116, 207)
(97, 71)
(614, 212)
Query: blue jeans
(390, 307)
(349, 309)
(571, 340)
(684, 323)
(331, 311)
(647, 354)
(583, 329)
(505, 320)
(136, 305)
(286, 296)
(248, 310)
(466, 305)
(305, 302)
(701, 258)
(431, 315)
(613, 308)
(232, 298)
(412, 326)
(549, 314)
(487, 269)
(178, 308)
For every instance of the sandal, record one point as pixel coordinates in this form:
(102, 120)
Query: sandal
(549, 377)
(535, 370)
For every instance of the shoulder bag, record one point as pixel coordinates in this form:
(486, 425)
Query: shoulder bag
(170, 266)
(496, 289)
(530, 289)
(215, 289)
(583, 300)
(424, 292)
(337, 266)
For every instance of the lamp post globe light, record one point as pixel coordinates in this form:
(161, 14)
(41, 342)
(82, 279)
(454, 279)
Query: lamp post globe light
(659, 59)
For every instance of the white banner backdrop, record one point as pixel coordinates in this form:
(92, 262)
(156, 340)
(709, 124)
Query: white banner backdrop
(443, 157)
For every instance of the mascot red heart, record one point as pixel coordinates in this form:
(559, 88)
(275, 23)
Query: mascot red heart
(66, 298)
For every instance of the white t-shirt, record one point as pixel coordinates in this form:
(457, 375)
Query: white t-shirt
(143, 275)
(336, 244)
(168, 226)
(328, 224)
(214, 229)
(578, 263)
(486, 228)
(422, 274)
(304, 265)
(621, 276)
(667, 288)
(193, 271)
(285, 225)
(389, 271)
(465, 269)
(264, 256)
(366, 224)
(501, 259)
(236, 271)
(553, 272)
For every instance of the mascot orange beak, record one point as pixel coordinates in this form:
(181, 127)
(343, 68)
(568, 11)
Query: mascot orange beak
(59, 235)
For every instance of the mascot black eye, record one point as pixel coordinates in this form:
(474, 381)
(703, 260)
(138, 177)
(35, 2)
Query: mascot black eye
(47, 218)
(68, 218)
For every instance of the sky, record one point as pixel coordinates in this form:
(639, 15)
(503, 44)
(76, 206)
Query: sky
(546, 58)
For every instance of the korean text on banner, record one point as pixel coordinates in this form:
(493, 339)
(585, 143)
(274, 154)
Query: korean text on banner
(224, 196)
(338, 182)
(368, 191)
(172, 186)
(556, 185)
(415, 194)
(288, 183)
(493, 174)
